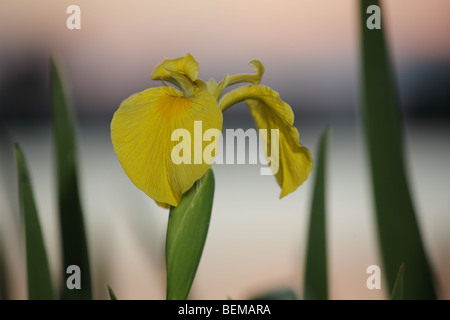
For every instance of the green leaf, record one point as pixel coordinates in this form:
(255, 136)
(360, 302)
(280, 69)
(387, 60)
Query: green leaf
(111, 293)
(280, 294)
(398, 230)
(186, 235)
(397, 291)
(74, 244)
(40, 285)
(316, 283)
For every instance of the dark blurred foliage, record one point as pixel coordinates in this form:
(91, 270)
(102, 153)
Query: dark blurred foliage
(24, 93)
(427, 91)
(24, 88)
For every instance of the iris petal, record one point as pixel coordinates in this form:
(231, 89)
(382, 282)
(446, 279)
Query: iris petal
(185, 65)
(181, 71)
(257, 66)
(141, 132)
(270, 112)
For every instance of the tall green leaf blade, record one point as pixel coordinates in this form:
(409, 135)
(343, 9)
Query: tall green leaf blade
(398, 229)
(74, 243)
(316, 278)
(186, 235)
(398, 292)
(40, 285)
(111, 293)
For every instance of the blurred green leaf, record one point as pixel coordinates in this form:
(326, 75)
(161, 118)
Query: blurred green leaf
(186, 235)
(111, 293)
(316, 279)
(280, 294)
(40, 285)
(398, 229)
(397, 291)
(74, 243)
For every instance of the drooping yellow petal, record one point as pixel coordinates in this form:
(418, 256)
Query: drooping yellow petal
(270, 112)
(141, 133)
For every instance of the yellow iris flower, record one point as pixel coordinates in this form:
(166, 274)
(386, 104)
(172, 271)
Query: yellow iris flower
(142, 127)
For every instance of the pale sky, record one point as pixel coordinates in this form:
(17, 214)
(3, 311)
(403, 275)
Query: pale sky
(309, 47)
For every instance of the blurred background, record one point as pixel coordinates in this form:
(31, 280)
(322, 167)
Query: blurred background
(256, 242)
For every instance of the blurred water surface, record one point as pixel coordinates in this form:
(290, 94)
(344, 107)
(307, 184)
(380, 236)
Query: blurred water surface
(256, 241)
